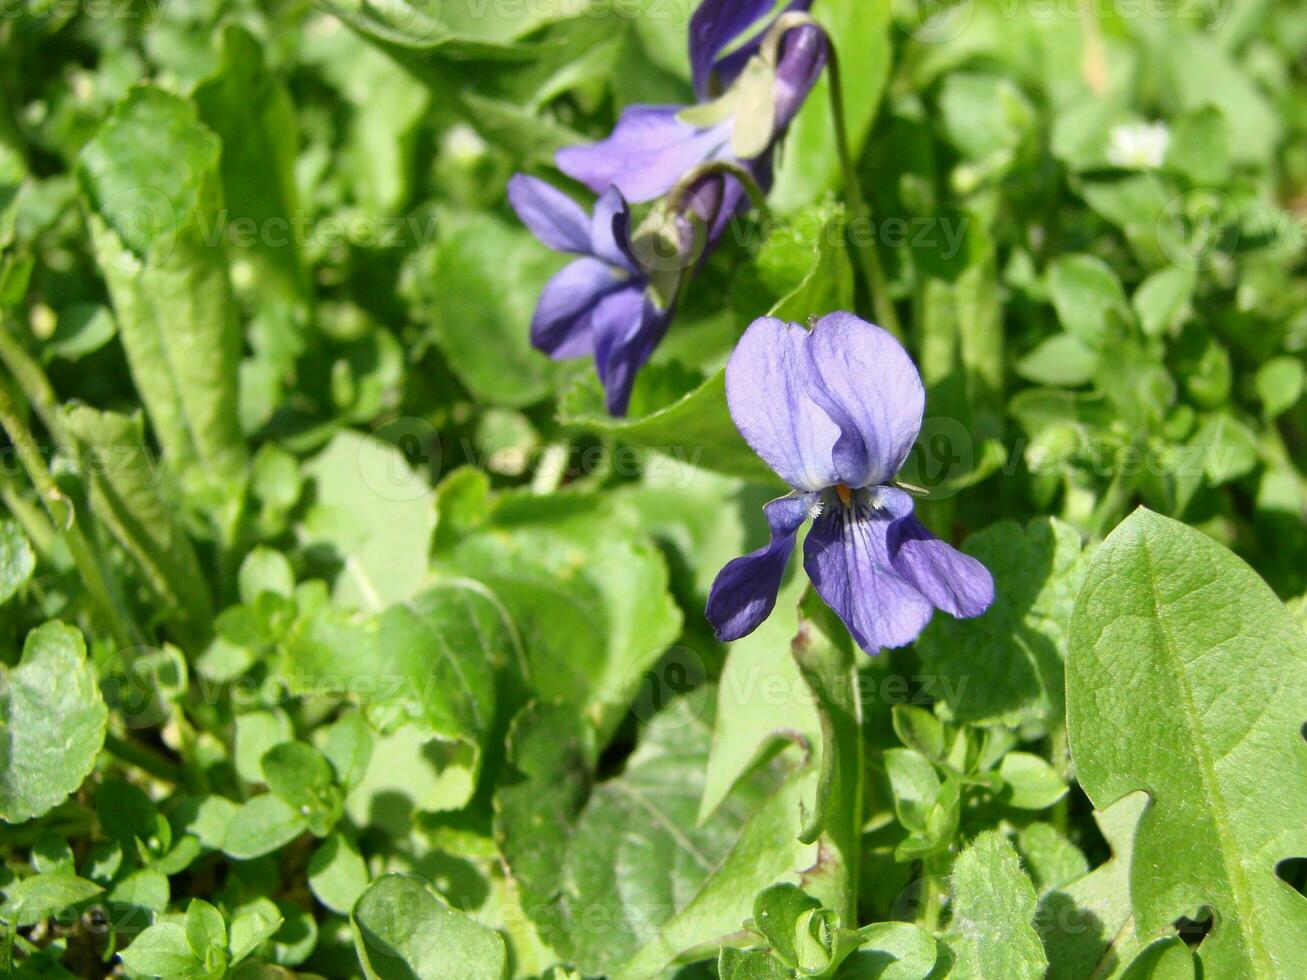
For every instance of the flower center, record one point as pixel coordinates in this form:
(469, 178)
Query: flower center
(845, 494)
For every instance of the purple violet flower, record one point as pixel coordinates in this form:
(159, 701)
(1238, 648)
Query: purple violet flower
(606, 304)
(653, 147)
(835, 412)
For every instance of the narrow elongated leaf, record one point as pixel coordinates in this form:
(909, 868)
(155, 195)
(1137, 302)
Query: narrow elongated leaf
(993, 933)
(125, 482)
(151, 187)
(1185, 680)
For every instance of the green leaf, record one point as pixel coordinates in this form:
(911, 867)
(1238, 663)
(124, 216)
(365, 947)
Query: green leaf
(738, 964)
(206, 929)
(488, 276)
(1090, 302)
(265, 570)
(17, 560)
(1018, 646)
(44, 895)
(861, 33)
(1200, 147)
(263, 825)
(303, 778)
(251, 925)
(992, 932)
(403, 930)
(890, 951)
(1279, 386)
(1162, 299)
(631, 854)
(251, 111)
(337, 874)
(150, 184)
(125, 479)
(1062, 361)
(376, 512)
(776, 914)
(256, 733)
(1089, 921)
(583, 594)
(162, 950)
(54, 720)
(1163, 959)
(1178, 684)
(1030, 783)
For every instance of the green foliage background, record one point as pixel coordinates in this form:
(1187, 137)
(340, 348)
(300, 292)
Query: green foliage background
(342, 634)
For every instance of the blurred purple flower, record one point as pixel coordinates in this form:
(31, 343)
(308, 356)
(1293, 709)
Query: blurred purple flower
(654, 147)
(835, 412)
(606, 304)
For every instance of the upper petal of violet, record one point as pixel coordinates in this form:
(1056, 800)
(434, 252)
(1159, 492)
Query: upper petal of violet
(866, 382)
(552, 216)
(768, 384)
(648, 152)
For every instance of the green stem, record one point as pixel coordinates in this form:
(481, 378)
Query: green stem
(143, 758)
(35, 385)
(60, 509)
(859, 209)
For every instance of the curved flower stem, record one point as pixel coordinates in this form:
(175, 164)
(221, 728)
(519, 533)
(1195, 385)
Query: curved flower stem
(60, 509)
(882, 302)
(859, 210)
(729, 168)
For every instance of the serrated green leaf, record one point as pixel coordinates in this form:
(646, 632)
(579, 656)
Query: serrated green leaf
(53, 719)
(1177, 685)
(17, 560)
(992, 932)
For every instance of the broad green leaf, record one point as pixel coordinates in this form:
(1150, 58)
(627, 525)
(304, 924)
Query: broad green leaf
(810, 164)
(403, 930)
(1089, 300)
(1179, 683)
(488, 276)
(1063, 361)
(303, 778)
(739, 964)
(891, 951)
(263, 824)
(376, 513)
(150, 183)
(631, 855)
(251, 111)
(17, 560)
(162, 951)
(583, 595)
(1088, 924)
(1029, 783)
(992, 932)
(1051, 859)
(457, 30)
(1007, 665)
(44, 895)
(1168, 958)
(126, 495)
(53, 719)
(337, 874)
(251, 924)
(256, 733)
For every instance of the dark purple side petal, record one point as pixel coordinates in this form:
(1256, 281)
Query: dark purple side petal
(768, 385)
(551, 215)
(648, 151)
(627, 327)
(561, 325)
(803, 56)
(722, 24)
(866, 382)
(610, 230)
(952, 581)
(847, 558)
(744, 592)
